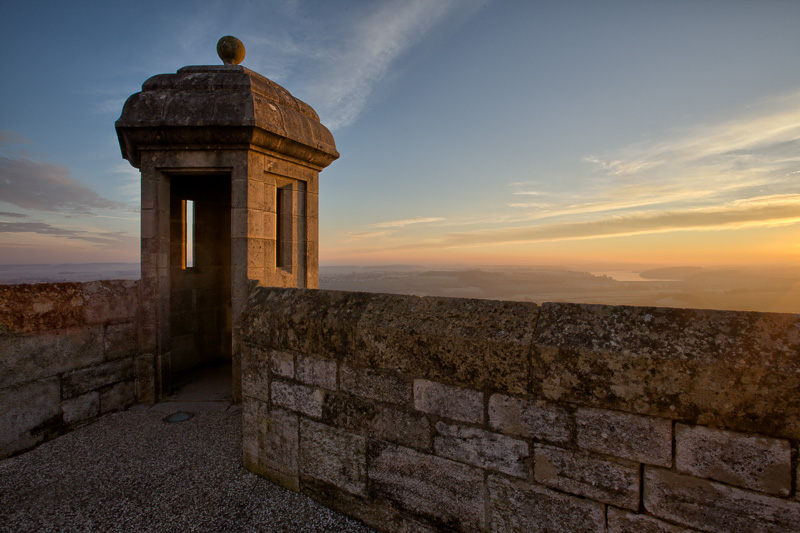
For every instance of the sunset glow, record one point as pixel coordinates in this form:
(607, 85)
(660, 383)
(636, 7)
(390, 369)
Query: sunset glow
(471, 132)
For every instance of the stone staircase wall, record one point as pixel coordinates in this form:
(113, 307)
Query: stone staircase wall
(66, 357)
(437, 414)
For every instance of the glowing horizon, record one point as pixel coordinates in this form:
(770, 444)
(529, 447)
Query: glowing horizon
(471, 132)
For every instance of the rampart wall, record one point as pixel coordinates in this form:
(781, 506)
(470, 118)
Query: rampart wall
(66, 357)
(435, 414)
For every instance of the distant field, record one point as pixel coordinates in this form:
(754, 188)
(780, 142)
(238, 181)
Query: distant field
(775, 289)
(67, 272)
(770, 289)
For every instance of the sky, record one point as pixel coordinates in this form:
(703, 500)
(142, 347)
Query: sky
(471, 132)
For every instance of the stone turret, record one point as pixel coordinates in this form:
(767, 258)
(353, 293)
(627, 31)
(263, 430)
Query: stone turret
(230, 163)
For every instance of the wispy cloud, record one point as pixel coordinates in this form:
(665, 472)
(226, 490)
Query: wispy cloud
(764, 211)
(405, 222)
(44, 187)
(104, 238)
(359, 235)
(6, 214)
(374, 41)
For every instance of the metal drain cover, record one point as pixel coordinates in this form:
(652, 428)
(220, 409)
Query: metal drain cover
(178, 417)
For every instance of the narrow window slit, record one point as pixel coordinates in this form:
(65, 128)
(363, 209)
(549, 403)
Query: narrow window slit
(188, 233)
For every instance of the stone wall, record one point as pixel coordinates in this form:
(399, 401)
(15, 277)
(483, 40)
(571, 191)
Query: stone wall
(66, 357)
(434, 414)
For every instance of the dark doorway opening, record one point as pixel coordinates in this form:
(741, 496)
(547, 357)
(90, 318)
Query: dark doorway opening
(200, 276)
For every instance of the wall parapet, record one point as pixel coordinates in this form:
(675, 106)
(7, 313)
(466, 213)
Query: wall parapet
(66, 358)
(431, 414)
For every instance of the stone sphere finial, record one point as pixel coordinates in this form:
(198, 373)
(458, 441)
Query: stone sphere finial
(230, 50)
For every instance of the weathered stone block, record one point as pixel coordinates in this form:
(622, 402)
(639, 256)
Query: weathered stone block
(712, 506)
(252, 408)
(334, 456)
(118, 397)
(464, 405)
(282, 364)
(81, 408)
(300, 398)
(95, 377)
(255, 372)
(29, 413)
(519, 506)
(41, 307)
(638, 438)
(110, 301)
(383, 515)
(732, 369)
(377, 420)
(447, 491)
(481, 344)
(620, 521)
(374, 385)
(319, 322)
(751, 462)
(613, 481)
(56, 352)
(317, 372)
(478, 447)
(120, 340)
(536, 420)
(279, 446)
(144, 366)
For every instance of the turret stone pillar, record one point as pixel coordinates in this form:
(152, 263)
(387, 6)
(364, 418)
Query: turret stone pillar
(230, 163)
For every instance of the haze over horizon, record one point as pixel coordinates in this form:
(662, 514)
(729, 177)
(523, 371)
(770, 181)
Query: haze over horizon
(472, 132)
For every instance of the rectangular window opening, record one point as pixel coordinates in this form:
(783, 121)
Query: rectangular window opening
(284, 228)
(188, 233)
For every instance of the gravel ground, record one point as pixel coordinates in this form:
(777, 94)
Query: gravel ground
(131, 471)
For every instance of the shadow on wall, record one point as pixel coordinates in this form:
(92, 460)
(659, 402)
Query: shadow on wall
(67, 357)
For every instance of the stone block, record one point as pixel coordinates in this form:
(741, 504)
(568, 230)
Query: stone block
(485, 449)
(55, 352)
(620, 521)
(638, 438)
(613, 481)
(373, 385)
(333, 456)
(480, 344)
(438, 399)
(300, 398)
(315, 371)
(377, 420)
(120, 340)
(712, 506)
(29, 414)
(110, 301)
(537, 420)
(41, 307)
(255, 372)
(81, 408)
(382, 515)
(118, 397)
(96, 377)
(519, 506)
(444, 490)
(750, 462)
(144, 367)
(318, 322)
(732, 369)
(279, 446)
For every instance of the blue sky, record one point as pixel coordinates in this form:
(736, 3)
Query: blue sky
(471, 132)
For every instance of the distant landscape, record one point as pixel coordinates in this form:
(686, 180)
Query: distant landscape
(771, 289)
(768, 288)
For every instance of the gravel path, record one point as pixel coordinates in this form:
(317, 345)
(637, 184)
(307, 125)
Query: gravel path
(131, 471)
